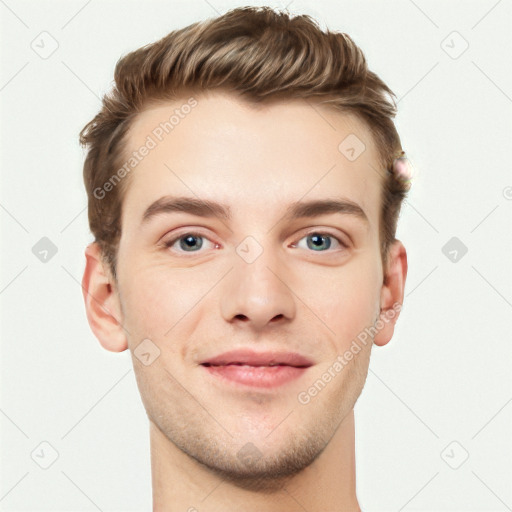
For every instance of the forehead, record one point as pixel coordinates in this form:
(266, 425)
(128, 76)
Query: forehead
(257, 159)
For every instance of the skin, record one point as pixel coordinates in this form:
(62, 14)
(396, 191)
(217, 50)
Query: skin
(198, 304)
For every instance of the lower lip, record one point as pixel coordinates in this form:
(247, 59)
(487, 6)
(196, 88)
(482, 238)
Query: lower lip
(259, 376)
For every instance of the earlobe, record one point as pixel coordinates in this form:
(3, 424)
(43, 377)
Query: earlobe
(102, 302)
(392, 292)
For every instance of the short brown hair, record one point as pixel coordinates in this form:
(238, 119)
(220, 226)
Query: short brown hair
(259, 54)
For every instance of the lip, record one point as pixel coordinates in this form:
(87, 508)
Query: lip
(252, 358)
(263, 369)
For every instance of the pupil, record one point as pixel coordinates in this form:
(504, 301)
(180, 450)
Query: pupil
(190, 241)
(317, 241)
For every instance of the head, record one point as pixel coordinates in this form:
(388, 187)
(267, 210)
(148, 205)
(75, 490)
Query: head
(259, 113)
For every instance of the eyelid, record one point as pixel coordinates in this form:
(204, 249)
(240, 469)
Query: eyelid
(325, 231)
(168, 243)
(168, 240)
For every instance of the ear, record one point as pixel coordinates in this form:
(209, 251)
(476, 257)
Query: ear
(102, 302)
(392, 292)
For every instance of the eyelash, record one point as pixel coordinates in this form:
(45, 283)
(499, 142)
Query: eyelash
(170, 243)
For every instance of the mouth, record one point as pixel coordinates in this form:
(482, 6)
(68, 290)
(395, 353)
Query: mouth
(263, 370)
(251, 358)
(256, 365)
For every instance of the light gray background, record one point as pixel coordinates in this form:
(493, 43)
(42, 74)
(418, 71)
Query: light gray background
(445, 376)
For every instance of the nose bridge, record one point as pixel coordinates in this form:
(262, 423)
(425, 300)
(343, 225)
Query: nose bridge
(256, 291)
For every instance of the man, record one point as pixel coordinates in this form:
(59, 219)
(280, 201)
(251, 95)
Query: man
(244, 187)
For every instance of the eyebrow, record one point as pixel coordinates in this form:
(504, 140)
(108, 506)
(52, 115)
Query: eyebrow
(211, 209)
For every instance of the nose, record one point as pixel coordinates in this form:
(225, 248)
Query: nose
(258, 294)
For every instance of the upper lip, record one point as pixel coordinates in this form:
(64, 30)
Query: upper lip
(252, 358)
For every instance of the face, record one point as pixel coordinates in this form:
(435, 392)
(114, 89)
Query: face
(253, 272)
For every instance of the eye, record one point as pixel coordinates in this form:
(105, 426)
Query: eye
(321, 242)
(188, 242)
(192, 242)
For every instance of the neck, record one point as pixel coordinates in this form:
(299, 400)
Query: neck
(180, 483)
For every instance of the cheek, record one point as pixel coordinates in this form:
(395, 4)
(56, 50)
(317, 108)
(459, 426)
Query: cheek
(154, 301)
(165, 304)
(351, 302)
